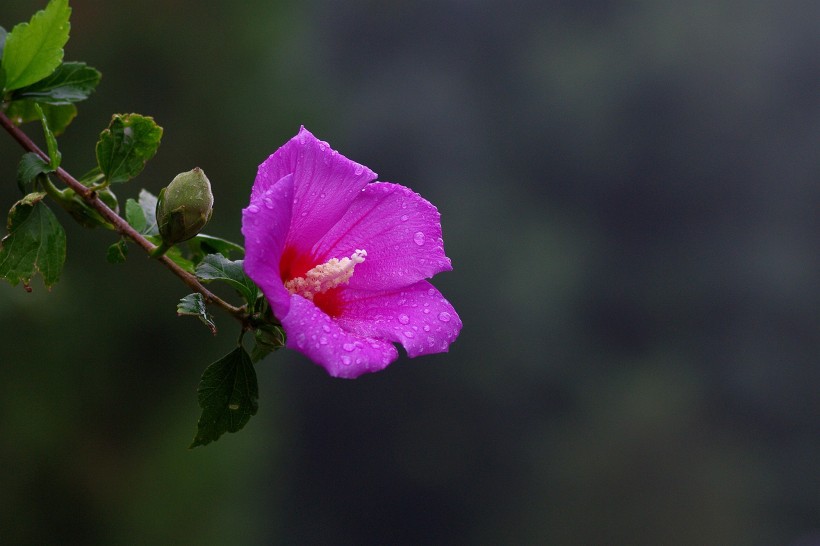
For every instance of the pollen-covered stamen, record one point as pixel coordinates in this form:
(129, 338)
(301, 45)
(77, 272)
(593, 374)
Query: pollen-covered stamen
(325, 276)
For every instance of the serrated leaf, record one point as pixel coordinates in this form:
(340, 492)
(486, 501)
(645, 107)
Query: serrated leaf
(59, 116)
(29, 167)
(36, 242)
(228, 395)
(216, 267)
(117, 253)
(194, 305)
(55, 157)
(134, 216)
(128, 143)
(34, 49)
(203, 244)
(71, 82)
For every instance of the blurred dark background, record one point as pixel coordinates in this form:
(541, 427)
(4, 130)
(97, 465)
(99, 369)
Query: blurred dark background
(629, 193)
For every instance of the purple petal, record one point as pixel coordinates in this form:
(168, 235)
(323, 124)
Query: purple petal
(325, 183)
(265, 227)
(343, 354)
(416, 316)
(401, 232)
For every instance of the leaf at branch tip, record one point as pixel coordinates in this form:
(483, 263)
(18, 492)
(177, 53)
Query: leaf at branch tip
(59, 116)
(194, 305)
(71, 82)
(34, 49)
(117, 253)
(216, 267)
(228, 395)
(36, 242)
(55, 157)
(128, 143)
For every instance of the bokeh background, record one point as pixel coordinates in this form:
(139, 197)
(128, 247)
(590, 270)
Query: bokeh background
(630, 196)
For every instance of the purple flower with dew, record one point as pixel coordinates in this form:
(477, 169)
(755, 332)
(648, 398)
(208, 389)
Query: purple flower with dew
(343, 260)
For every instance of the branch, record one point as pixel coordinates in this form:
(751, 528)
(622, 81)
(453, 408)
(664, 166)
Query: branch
(120, 225)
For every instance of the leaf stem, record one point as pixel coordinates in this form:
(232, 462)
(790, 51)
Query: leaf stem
(121, 226)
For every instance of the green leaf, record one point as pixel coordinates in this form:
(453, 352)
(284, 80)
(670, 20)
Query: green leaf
(194, 305)
(228, 395)
(134, 216)
(267, 339)
(117, 253)
(174, 254)
(59, 117)
(71, 82)
(29, 167)
(148, 203)
(216, 267)
(34, 49)
(203, 244)
(128, 143)
(55, 157)
(36, 242)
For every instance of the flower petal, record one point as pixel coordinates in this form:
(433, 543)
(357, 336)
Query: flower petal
(325, 183)
(343, 354)
(401, 232)
(416, 316)
(265, 227)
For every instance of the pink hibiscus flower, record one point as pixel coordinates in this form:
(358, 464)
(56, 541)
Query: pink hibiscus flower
(343, 260)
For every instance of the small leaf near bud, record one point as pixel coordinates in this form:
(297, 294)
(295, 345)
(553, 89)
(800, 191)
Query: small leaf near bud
(184, 207)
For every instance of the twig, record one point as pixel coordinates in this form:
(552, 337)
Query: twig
(120, 225)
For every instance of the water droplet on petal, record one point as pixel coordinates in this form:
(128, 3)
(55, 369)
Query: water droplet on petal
(326, 328)
(418, 238)
(253, 208)
(444, 316)
(426, 328)
(268, 202)
(349, 346)
(431, 292)
(408, 333)
(358, 170)
(323, 340)
(346, 360)
(404, 319)
(404, 217)
(426, 311)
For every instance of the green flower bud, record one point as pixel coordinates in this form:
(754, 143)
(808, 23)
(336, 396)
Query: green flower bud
(184, 207)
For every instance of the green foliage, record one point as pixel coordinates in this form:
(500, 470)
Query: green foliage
(267, 339)
(228, 395)
(36, 242)
(55, 157)
(203, 244)
(126, 145)
(29, 167)
(36, 85)
(216, 267)
(71, 82)
(58, 116)
(33, 50)
(118, 252)
(194, 305)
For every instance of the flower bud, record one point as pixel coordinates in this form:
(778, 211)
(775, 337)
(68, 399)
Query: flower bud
(184, 207)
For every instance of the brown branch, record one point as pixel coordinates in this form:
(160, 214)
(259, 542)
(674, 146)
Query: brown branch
(120, 225)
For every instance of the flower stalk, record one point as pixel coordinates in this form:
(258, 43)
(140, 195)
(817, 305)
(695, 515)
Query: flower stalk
(92, 199)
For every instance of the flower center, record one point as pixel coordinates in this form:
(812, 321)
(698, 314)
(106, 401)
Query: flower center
(323, 277)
